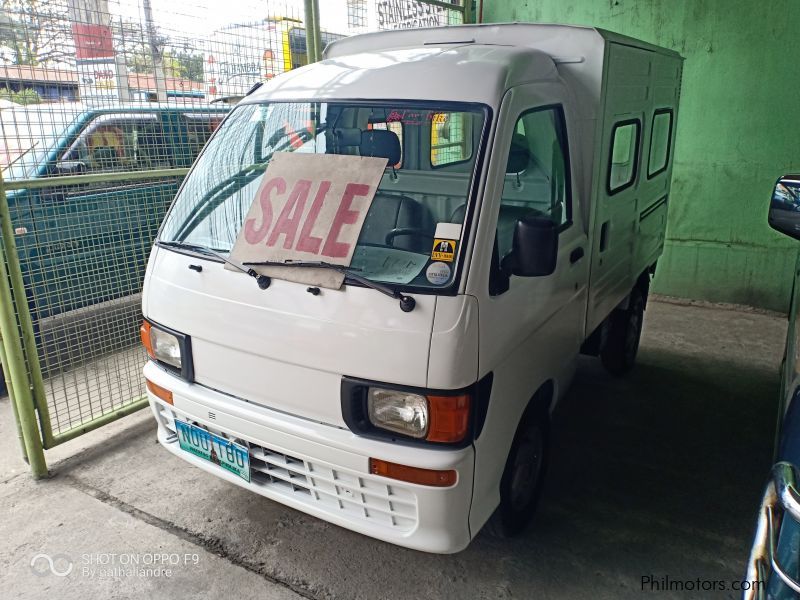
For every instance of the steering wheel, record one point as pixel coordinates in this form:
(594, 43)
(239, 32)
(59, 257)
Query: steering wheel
(413, 231)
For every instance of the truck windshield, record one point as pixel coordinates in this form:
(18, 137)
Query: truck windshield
(421, 200)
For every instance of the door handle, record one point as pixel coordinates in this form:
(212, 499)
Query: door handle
(576, 255)
(604, 236)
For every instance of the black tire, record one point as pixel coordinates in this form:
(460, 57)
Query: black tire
(621, 346)
(3, 387)
(524, 474)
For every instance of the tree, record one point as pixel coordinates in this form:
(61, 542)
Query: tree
(180, 59)
(21, 97)
(186, 64)
(35, 32)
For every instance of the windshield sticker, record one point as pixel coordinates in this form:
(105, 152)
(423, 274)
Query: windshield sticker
(415, 117)
(448, 231)
(438, 273)
(444, 250)
(389, 265)
(309, 207)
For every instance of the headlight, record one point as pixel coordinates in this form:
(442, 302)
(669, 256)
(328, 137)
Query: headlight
(398, 411)
(168, 348)
(421, 416)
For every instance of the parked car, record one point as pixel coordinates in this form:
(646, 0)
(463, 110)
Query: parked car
(83, 246)
(516, 214)
(773, 570)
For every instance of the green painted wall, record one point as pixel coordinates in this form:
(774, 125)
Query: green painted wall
(738, 131)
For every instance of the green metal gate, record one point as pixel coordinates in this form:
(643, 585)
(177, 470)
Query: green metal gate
(70, 378)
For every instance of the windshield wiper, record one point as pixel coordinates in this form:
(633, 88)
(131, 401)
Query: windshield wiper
(407, 303)
(262, 280)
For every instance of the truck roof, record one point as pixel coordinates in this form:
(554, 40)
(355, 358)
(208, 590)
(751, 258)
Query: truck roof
(557, 40)
(472, 63)
(467, 72)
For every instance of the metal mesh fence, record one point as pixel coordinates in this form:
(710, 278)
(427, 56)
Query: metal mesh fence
(122, 90)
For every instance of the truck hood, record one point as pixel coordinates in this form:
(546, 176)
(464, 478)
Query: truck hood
(283, 347)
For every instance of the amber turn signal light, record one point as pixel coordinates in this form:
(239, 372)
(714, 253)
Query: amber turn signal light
(412, 474)
(144, 333)
(159, 392)
(449, 418)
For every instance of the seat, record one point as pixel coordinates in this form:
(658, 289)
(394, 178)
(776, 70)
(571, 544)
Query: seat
(381, 143)
(519, 157)
(410, 219)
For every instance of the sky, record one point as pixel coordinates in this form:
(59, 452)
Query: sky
(201, 17)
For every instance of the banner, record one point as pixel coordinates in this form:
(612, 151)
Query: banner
(91, 29)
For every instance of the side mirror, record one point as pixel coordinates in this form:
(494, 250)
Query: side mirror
(784, 207)
(534, 247)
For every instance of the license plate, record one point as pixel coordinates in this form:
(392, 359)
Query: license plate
(231, 457)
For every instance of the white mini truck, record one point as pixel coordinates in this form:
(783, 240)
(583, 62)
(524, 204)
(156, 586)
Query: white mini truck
(517, 224)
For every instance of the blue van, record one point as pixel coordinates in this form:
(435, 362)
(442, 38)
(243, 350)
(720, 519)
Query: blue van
(83, 248)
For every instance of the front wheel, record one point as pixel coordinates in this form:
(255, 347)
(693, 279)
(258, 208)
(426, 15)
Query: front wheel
(621, 346)
(521, 485)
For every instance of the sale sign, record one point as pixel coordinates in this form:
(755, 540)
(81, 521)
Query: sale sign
(308, 208)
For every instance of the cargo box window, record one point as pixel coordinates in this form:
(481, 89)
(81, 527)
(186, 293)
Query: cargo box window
(450, 142)
(660, 139)
(624, 156)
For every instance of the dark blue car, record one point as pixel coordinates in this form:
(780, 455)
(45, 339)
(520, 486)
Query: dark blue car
(773, 571)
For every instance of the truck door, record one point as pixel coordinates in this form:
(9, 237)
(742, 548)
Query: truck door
(531, 328)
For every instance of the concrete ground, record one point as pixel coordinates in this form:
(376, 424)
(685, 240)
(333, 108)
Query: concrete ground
(655, 475)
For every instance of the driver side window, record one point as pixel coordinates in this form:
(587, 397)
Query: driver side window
(537, 173)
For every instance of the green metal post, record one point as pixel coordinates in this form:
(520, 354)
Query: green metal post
(11, 397)
(311, 38)
(469, 14)
(116, 177)
(12, 344)
(317, 32)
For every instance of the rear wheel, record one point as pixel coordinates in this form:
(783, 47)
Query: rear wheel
(526, 466)
(621, 346)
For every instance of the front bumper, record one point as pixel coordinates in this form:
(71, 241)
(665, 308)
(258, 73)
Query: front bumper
(781, 501)
(323, 470)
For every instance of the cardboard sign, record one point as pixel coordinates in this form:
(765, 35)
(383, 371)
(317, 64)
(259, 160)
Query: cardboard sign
(310, 208)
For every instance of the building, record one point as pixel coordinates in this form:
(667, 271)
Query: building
(61, 85)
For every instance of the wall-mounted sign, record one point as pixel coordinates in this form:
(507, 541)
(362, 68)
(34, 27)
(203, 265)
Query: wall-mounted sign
(410, 14)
